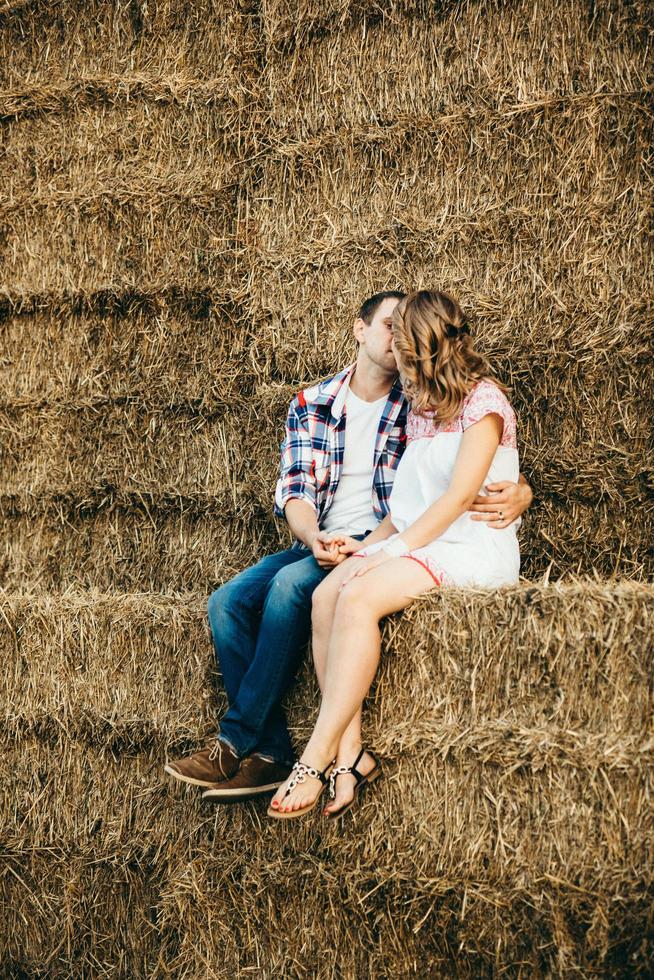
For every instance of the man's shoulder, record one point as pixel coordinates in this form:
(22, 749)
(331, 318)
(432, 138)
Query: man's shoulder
(321, 393)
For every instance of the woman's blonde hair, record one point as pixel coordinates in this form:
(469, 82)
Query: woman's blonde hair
(438, 363)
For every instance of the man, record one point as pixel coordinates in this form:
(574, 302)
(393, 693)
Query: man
(344, 440)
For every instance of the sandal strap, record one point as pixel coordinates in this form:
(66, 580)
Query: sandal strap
(345, 770)
(350, 770)
(301, 772)
(338, 771)
(353, 768)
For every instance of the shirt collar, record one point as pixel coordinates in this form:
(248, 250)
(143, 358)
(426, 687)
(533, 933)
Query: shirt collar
(334, 392)
(396, 394)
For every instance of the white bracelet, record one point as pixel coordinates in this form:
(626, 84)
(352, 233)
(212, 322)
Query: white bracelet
(395, 547)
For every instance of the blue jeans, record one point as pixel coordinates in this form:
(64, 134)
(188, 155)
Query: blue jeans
(260, 622)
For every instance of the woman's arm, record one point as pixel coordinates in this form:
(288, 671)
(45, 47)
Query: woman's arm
(478, 447)
(473, 461)
(381, 532)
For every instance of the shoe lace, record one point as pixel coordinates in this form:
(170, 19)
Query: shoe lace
(216, 749)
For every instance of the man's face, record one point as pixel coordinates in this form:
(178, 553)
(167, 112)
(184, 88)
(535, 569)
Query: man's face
(376, 337)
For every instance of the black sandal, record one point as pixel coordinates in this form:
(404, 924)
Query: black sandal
(301, 773)
(361, 781)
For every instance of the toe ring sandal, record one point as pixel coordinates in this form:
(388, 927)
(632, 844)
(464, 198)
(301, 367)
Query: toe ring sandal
(361, 781)
(301, 771)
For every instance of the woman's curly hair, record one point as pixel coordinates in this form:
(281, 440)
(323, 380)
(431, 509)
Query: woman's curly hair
(436, 357)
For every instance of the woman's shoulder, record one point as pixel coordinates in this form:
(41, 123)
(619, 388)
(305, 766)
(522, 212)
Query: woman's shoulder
(419, 426)
(487, 398)
(486, 391)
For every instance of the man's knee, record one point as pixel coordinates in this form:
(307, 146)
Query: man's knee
(222, 602)
(293, 585)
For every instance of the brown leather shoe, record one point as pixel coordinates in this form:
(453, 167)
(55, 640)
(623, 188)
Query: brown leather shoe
(208, 767)
(255, 777)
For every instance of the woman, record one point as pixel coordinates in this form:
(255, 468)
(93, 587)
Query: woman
(461, 434)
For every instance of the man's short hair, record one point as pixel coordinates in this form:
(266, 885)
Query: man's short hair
(370, 306)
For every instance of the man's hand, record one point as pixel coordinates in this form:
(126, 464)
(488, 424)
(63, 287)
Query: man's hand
(326, 551)
(505, 502)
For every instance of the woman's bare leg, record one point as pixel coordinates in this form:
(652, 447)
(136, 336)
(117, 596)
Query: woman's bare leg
(352, 660)
(349, 748)
(323, 609)
(325, 599)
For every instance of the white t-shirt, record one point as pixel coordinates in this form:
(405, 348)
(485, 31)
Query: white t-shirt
(351, 511)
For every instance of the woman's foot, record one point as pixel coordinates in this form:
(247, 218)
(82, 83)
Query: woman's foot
(345, 783)
(305, 789)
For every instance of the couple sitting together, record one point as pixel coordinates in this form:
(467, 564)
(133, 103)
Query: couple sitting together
(397, 475)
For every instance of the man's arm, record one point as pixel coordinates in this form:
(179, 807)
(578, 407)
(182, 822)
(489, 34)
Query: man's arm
(301, 518)
(296, 477)
(295, 494)
(506, 502)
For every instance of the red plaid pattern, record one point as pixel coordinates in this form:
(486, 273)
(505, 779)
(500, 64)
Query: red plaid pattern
(313, 448)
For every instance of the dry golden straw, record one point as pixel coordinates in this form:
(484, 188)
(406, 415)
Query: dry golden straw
(194, 199)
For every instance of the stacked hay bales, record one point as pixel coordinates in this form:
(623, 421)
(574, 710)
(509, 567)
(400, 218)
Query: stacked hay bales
(514, 829)
(197, 240)
(194, 200)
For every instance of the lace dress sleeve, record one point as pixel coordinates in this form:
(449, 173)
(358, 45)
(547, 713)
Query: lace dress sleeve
(487, 399)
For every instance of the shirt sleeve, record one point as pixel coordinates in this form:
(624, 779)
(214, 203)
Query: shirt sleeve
(487, 399)
(297, 479)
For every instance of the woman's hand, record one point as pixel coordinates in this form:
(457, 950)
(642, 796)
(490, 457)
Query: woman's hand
(347, 545)
(362, 565)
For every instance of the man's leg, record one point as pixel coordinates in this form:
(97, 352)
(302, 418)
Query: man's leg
(255, 718)
(235, 612)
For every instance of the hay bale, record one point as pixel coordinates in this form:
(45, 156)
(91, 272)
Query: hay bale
(175, 350)
(144, 542)
(141, 545)
(514, 824)
(114, 217)
(111, 167)
(48, 41)
(69, 462)
(218, 255)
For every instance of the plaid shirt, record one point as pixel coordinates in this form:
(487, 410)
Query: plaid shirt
(312, 451)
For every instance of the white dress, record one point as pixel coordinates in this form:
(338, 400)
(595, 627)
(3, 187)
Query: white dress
(468, 552)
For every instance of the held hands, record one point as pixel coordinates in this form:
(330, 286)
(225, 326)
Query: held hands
(505, 502)
(330, 550)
